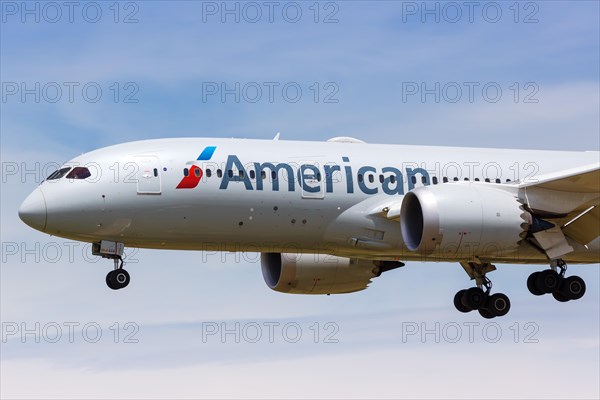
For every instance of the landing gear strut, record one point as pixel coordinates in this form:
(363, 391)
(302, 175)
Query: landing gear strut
(118, 278)
(476, 298)
(553, 281)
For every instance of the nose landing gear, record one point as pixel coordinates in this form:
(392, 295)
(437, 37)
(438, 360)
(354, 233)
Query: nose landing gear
(118, 278)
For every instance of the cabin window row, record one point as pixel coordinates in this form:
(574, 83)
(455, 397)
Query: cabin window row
(434, 179)
(361, 178)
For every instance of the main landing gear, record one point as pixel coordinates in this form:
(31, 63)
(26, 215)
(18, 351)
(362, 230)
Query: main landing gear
(476, 298)
(553, 281)
(118, 278)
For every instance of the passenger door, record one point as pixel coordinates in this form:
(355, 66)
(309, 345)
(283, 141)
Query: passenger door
(313, 184)
(148, 175)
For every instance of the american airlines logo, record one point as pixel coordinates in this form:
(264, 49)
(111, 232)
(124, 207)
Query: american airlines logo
(194, 172)
(310, 178)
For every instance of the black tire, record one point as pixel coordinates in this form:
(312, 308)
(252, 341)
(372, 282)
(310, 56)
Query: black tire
(485, 313)
(573, 287)
(533, 289)
(498, 304)
(121, 278)
(547, 281)
(458, 301)
(474, 298)
(110, 281)
(560, 296)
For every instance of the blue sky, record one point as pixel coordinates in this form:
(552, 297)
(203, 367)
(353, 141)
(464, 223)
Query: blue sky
(364, 62)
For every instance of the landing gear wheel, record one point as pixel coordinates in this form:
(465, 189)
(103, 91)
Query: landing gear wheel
(560, 296)
(479, 297)
(485, 313)
(474, 298)
(109, 281)
(458, 301)
(532, 286)
(573, 288)
(121, 277)
(498, 304)
(547, 281)
(554, 281)
(117, 279)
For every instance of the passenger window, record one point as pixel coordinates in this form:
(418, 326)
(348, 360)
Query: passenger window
(155, 172)
(413, 179)
(455, 179)
(393, 179)
(381, 179)
(423, 180)
(197, 172)
(230, 173)
(466, 179)
(186, 172)
(58, 174)
(487, 180)
(498, 180)
(435, 181)
(208, 173)
(263, 174)
(371, 178)
(219, 173)
(79, 173)
(273, 175)
(360, 177)
(252, 174)
(445, 179)
(241, 174)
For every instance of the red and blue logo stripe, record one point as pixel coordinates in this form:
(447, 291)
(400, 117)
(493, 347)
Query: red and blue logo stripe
(195, 173)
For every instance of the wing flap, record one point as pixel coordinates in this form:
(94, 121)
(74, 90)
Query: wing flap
(584, 228)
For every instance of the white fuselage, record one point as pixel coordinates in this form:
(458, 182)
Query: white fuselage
(323, 198)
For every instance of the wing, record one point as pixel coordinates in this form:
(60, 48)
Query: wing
(569, 198)
(584, 179)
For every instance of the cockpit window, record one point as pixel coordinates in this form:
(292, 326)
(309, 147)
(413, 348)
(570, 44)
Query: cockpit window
(79, 173)
(58, 173)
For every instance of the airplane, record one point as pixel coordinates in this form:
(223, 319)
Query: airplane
(328, 217)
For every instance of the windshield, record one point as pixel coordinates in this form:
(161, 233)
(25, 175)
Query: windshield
(79, 173)
(58, 173)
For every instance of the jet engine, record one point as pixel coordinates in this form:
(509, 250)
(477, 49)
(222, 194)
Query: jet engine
(320, 273)
(463, 220)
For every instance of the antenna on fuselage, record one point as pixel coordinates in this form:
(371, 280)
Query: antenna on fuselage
(277, 136)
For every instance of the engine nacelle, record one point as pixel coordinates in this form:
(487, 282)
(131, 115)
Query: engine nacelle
(316, 273)
(462, 220)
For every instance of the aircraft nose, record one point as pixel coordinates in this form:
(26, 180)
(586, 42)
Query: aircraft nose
(33, 210)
